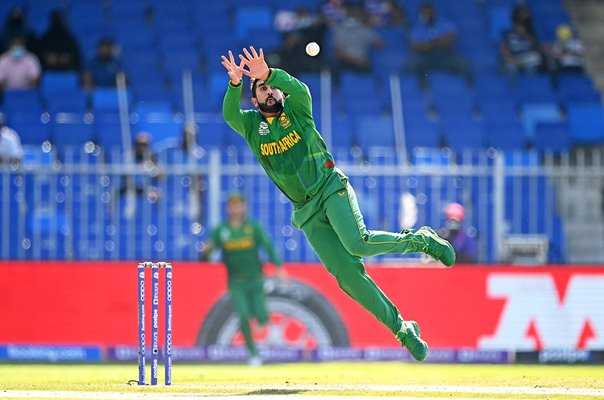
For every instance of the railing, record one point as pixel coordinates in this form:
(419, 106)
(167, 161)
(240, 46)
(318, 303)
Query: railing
(83, 210)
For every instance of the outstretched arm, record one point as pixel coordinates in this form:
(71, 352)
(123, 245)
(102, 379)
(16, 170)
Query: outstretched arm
(235, 71)
(257, 68)
(231, 111)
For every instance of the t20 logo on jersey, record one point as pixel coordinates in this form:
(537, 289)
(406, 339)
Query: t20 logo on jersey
(263, 129)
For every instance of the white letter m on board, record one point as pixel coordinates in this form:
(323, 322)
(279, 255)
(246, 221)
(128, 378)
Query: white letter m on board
(532, 304)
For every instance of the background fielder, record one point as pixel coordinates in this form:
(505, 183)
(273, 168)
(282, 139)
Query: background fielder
(240, 239)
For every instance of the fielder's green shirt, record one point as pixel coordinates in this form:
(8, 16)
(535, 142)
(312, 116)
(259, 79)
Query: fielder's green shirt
(240, 249)
(288, 146)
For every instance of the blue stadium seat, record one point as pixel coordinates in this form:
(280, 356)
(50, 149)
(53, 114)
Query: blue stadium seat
(586, 123)
(462, 132)
(20, 100)
(32, 127)
(178, 60)
(214, 134)
(492, 87)
(532, 114)
(55, 83)
(374, 131)
(108, 132)
(500, 20)
(553, 137)
(161, 126)
(422, 133)
(534, 89)
(248, 18)
(343, 137)
(72, 101)
(577, 88)
(72, 131)
(507, 136)
(107, 99)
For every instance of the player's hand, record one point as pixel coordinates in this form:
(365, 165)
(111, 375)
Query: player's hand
(256, 66)
(235, 71)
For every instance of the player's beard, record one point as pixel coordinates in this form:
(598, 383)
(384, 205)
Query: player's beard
(274, 108)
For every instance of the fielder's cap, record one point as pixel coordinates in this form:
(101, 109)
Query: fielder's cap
(235, 196)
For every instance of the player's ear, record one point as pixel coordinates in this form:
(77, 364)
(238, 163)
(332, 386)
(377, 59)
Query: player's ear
(254, 102)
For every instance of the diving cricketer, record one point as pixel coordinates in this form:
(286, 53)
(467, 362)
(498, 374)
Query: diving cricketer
(282, 134)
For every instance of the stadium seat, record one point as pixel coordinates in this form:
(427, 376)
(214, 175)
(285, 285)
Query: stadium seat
(577, 88)
(108, 132)
(248, 18)
(533, 114)
(71, 131)
(20, 100)
(462, 132)
(552, 137)
(422, 134)
(586, 123)
(54, 83)
(163, 128)
(500, 20)
(507, 136)
(374, 131)
(69, 101)
(107, 99)
(32, 127)
(534, 89)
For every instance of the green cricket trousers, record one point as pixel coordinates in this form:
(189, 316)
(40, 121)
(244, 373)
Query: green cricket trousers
(334, 226)
(249, 302)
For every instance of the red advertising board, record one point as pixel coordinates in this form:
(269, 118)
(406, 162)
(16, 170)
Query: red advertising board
(486, 307)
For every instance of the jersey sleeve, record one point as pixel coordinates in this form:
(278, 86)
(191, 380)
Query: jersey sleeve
(265, 242)
(215, 238)
(297, 92)
(232, 113)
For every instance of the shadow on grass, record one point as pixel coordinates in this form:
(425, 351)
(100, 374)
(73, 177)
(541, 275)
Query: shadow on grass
(269, 392)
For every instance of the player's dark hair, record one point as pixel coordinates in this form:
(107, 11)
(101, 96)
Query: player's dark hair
(253, 83)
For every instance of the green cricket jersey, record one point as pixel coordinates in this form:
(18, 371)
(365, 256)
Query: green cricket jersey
(240, 249)
(288, 146)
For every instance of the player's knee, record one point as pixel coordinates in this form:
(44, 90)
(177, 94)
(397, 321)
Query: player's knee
(357, 246)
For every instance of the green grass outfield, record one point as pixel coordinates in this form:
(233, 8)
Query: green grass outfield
(318, 380)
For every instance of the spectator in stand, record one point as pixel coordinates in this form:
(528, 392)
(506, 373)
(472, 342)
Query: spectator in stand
(333, 12)
(353, 40)
(11, 149)
(292, 56)
(433, 43)
(58, 48)
(298, 28)
(19, 68)
(462, 237)
(144, 182)
(567, 51)
(103, 68)
(519, 49)
(16, 26)
(385, 13)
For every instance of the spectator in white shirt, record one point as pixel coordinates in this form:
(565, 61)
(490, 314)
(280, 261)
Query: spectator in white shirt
(11, 149)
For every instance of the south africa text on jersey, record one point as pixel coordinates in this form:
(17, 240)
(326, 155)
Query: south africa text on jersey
(280, 146)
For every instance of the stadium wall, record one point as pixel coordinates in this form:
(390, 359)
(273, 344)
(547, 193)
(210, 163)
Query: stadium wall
(468, 307)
